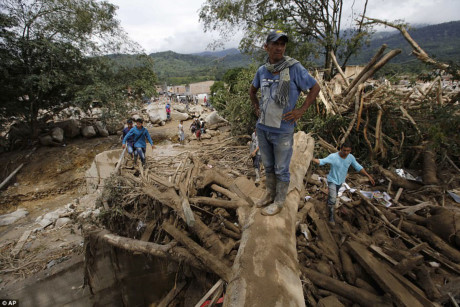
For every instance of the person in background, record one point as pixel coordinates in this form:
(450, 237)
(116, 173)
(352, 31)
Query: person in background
(130, 141)
(198, 129)
(181, 132)
(140, 134)
(168, 111)
(202, 122)
(340, 162)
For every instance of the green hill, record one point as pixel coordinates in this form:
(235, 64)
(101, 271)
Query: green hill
(441, 41)
(176, 68)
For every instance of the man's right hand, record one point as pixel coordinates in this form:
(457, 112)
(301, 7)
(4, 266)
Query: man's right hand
(123, 146)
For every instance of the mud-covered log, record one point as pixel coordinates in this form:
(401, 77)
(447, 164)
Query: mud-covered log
(399, 181)
(266, 270)
(169, 251)
(347, 266)
(206, 235)
(428, 236)
(354, 294)
(426, 283)
(206, 257)
(227, 204)
(429, 167)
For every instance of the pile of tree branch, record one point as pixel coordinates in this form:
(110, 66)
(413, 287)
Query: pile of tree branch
(406, 254)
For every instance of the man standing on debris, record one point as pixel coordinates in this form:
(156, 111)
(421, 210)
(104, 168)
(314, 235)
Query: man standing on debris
(130, 141)
(255, 154)
(340, 162)
(281, 79)
(139, 134)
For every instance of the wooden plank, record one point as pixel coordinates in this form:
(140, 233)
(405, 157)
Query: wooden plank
(188, 213)
(172, 294)
(120, 161)
(211, 291)
(17, 249)
(11, 175)
(379, 271)
(148, 231)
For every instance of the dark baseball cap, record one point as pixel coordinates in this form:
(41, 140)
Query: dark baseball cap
(275, 35)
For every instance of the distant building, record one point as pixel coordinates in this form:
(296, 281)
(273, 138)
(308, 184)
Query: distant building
(200, 87)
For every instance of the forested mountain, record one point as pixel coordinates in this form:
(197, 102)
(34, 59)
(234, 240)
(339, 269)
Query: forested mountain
(442, 41)
(176, 68)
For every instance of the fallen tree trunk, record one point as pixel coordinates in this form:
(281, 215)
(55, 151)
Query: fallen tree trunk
(168, 251)
(371, 72)
(266, 270)
(355, 294)
(429, 167)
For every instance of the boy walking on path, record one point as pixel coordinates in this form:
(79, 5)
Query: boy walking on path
(340, 162)
(280, 80)
(139, 134)
(130, 140)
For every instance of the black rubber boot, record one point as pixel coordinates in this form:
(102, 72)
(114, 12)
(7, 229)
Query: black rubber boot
(270, 192)
(281, 192)
(331, 214)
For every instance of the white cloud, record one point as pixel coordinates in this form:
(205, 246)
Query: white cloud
(159, 25)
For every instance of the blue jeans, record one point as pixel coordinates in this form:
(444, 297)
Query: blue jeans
(276, 152)
(140, 151)
(130, 149)
(333, 191)
(256, 162)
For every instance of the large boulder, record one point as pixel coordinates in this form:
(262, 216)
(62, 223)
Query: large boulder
(57, 134)
(101, 130)
(136, 116)
(114, 127)
(96, 112)
(157, 116)
(197, 109)
(180, 108)
(179, 115)
(10, 218)
(88, 131)
(47, 140)
(214, 118)
(71, 127)
(70, 113)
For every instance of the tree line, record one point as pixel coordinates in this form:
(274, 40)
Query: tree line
(52, 57)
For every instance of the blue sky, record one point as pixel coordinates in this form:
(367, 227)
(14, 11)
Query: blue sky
(159, 25)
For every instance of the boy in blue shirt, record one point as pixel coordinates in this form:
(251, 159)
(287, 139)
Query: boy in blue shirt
(139, 134)
(340, 162)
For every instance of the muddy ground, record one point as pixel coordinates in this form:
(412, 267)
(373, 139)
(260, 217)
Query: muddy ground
(53, 178)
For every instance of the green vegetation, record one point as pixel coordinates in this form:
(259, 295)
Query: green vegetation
(51, 58)
(315, 27)
(232, 100)
(174, 68)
